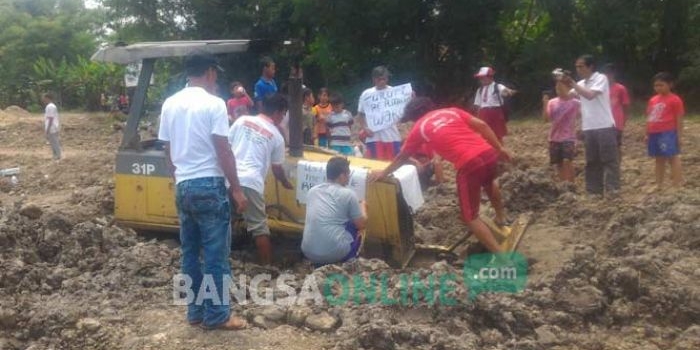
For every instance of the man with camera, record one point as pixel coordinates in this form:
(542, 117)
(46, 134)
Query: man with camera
(602, 171)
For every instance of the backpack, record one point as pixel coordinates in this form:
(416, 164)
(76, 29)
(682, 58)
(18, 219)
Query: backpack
(504, 101)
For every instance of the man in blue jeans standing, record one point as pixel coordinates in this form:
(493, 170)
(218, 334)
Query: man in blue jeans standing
(194, 127)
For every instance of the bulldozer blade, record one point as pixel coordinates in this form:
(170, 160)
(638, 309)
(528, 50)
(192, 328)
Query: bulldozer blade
(509, 237)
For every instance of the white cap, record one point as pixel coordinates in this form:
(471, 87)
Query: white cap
(484, 72)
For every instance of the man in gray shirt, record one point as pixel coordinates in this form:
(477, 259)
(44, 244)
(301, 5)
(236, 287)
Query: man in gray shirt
(334, 217)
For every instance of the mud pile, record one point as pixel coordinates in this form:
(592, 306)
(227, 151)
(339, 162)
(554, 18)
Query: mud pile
(640, 280)
(64, 283)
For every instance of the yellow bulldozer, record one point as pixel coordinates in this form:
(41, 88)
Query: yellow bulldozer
(144, 190)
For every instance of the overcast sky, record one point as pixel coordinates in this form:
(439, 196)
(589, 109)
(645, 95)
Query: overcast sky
(91, 4)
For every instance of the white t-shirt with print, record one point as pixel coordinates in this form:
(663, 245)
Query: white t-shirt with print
(188, 120)
(486, 96)
(256, 143)
(390, 134)
(51, 112)
(596, 113)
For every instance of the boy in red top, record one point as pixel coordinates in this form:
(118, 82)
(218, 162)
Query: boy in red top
(470, 145)
(619, 101)
(239, 103)
(664, 126)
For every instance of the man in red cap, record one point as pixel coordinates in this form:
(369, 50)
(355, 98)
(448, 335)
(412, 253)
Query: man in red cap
(471, 146)
(488, 102)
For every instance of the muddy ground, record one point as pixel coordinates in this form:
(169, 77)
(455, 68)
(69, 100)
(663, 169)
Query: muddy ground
(622, 273)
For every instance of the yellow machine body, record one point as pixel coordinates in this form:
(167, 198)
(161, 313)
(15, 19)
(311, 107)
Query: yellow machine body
(145, 199)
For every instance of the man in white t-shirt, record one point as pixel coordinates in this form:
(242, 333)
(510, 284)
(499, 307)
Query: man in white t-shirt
(194, 127)
(488, 102)
(258, 146)
(383, 144)
(600, 136)
(52, 125)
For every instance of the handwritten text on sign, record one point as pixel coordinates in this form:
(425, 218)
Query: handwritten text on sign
(310, 174)
(384, 108)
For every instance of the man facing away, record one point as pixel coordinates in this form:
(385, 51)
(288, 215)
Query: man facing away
(602, 171)
(258, 146)
(334, 217)
(51, 125)
(194, 126)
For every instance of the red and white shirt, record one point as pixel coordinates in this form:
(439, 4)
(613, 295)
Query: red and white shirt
(448, 134)
(663, 112)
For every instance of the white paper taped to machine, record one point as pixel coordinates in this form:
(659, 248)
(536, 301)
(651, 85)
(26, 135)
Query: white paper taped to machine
(310, 174)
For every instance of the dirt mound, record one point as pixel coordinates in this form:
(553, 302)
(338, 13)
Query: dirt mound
(63, 281)
(8, 117)
(18, 111)
(531, 189)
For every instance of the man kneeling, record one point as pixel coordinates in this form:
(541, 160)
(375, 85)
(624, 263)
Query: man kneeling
(334, 218)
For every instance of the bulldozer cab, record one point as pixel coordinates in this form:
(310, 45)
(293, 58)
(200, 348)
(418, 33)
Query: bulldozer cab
(145, 193)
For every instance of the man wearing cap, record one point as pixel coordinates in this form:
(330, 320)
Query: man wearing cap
(489, 101)
(382, 144)
(194, 127)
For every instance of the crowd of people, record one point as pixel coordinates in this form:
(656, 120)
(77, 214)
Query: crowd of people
(220, 154)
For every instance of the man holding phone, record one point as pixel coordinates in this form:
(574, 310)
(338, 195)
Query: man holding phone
(600, 136)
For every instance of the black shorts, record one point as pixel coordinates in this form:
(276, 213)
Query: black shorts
(561, 151)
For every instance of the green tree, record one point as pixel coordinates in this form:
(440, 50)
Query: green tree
(40, 29)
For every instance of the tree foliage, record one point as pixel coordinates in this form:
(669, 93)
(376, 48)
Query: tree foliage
(435, 44)
(44, 44)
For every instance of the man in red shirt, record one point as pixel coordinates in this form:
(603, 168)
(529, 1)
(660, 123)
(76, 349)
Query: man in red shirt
(470, 145)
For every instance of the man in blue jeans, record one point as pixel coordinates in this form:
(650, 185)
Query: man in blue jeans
(334, 218)
(194, 127)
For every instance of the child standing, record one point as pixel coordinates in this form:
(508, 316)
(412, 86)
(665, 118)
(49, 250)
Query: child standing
(322, 110)
(562, 111)
(308, 116)
(51, 125)
(664, 127)
(338, 123)
(619, 101)
(239, 103)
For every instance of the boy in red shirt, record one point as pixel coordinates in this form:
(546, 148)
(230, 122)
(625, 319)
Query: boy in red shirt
(664, 127)
(470, 145)
(239, 103)
(619, 101)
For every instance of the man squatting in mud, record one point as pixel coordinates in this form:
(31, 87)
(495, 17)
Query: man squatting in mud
(470, 145)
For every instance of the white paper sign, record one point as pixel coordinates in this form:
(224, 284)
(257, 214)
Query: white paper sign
(131, 75)
(384, 108)
(310, 174)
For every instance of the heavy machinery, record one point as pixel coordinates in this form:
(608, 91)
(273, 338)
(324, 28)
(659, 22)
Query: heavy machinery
(144, 190)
